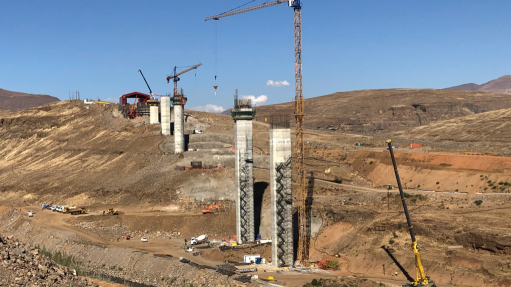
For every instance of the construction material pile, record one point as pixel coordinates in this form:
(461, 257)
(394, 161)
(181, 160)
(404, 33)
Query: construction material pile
(23, 265)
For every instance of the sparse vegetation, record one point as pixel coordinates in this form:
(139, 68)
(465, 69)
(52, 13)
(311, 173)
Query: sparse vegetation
(437, 182)
(61, 258)
(478, 202)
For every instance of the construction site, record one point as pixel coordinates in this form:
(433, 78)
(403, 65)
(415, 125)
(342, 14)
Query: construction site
(145, 192)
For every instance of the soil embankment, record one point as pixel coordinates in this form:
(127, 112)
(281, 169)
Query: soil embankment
(436, 172)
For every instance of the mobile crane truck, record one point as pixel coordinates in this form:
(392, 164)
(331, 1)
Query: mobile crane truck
(422, 280)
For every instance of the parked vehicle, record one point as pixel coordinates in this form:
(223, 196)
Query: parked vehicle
(143, 239)
(199, 240)
(78, 211)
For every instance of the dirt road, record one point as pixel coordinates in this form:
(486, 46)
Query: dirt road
(174, 246)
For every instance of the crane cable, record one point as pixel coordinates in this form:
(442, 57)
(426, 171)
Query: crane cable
(216, 50)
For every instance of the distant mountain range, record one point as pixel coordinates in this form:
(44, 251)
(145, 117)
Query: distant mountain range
(501, 85)
(14, 101)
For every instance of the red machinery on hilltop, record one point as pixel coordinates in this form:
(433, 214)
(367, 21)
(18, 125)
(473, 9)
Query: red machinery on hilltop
(138, 108)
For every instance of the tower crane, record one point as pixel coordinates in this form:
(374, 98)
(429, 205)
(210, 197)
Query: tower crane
(150, 92)
(176, 76)
(303, 246)
(422, 280)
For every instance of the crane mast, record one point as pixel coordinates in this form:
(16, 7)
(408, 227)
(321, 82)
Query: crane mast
(303, 244)
(422, 280)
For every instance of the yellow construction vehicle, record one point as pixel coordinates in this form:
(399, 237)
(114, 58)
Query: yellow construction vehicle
(422, 280)
(78, 211)
(110, 211)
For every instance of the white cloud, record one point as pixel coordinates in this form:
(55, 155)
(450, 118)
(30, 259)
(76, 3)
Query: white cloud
(256, 101)
(209, 108)
(277, 83)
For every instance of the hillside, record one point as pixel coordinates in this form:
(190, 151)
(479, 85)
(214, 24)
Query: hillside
(489, 129)
(466, 87)
(15, 101)
(501, 85)
(382, 111)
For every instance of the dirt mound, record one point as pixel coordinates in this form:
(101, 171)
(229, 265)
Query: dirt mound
(16, 101)
(371, 111)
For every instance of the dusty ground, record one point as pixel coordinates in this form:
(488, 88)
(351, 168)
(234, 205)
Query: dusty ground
(68, 154)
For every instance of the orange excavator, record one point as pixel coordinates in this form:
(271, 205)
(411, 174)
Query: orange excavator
(211, 209)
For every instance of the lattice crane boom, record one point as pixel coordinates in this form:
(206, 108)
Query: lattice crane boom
(176, 75)
(217, 17)
(303, 246)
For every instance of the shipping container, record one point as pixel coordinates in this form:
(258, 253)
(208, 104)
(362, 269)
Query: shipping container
(415, 145)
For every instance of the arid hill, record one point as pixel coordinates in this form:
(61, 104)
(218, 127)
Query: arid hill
(382, 111)
(501, 85)
(15, 101)
(490, 129)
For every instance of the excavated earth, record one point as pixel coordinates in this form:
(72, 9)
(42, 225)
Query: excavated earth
(90, 156)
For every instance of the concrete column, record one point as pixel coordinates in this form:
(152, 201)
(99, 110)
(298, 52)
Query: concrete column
(165, 115)
(179, 136)
(153, 115)
(281, 197)
(153, 111)
(244, 180)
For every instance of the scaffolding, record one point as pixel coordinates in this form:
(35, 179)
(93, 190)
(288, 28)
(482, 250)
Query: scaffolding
(246, 186)
(284, 205)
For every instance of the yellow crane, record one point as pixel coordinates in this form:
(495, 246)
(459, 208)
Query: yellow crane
(303, 242)
(422, 280)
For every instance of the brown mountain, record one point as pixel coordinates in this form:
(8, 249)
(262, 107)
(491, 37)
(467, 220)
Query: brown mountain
(382, 111)
(466, 87)
(501, 85)
(10, 100)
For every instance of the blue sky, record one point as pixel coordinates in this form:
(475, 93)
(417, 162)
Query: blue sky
(96, 47)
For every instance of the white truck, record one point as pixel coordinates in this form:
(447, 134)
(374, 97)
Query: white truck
(199, 240)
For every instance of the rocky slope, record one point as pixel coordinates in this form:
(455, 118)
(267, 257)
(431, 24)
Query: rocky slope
(490, 129)
(15, 101)
(22, 265)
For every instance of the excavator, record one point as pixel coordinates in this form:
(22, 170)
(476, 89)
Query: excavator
(211, 208)
(421, 280)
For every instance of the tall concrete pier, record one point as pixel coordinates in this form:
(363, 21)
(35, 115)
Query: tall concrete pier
(243, 114)
(179, 102)
(153, 111)
(165, 115)
(281, 196)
